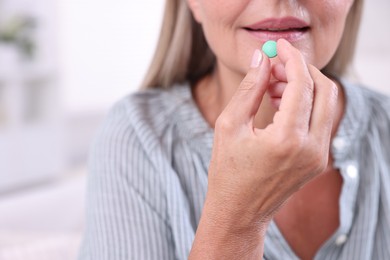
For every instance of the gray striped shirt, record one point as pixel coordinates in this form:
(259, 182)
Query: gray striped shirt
(148, 180)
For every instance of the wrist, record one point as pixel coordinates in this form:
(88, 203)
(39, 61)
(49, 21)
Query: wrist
(232, 218)
(234, 213)
(225, 233)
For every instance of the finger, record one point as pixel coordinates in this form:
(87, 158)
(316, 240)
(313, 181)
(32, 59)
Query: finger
(324, 105)
(296, 103)
(279, 72)
(276, 89)
(275, 92)
(247, 98)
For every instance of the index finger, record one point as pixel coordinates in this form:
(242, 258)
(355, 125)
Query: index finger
(297, 100)
(246, 100)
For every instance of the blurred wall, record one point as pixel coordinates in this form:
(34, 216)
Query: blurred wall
(105, 48)
(372, 61)
(31, 125)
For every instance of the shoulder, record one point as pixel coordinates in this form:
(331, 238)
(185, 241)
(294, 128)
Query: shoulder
(367, 100)
(378, 105)
(153, 109)
(149, 106)
(126, 156)
(139, 120)
(373, 108)
(366, 114)
(129, 140)
(376, 99)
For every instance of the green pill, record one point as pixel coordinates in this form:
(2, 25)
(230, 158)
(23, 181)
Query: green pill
(269, 48)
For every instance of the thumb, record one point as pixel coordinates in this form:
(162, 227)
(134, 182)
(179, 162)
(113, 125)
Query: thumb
(245, 102)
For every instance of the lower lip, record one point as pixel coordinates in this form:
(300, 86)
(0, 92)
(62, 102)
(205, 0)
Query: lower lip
(291, 36)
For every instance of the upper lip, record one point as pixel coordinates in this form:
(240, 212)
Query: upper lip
(279, 24)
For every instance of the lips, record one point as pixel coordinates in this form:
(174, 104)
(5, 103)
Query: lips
(289, 28)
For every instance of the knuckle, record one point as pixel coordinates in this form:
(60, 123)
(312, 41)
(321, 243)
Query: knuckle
(247, 84)
(295, 144)
(224, 124)
(330, 94)
(289, 144)
(308, 83)
(334, 90)
(308, 87)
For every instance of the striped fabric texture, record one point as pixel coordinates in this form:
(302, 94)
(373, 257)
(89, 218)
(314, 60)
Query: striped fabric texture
(148, 180)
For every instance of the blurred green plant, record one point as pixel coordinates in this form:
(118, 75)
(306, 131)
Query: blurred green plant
(18, 31)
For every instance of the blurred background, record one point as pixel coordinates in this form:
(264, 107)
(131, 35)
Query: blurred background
(63, 63)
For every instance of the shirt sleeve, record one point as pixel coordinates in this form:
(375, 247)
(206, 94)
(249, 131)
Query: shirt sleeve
(125, 216)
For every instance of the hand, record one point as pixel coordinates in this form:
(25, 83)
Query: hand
(253, 171)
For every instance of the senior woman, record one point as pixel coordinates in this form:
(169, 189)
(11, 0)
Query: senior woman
(228, 154)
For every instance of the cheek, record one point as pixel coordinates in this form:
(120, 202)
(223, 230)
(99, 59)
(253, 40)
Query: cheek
(330, 23)
(213, 20)
(211, 11)
(219, 26)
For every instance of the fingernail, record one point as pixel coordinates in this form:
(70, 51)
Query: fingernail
(256, 59)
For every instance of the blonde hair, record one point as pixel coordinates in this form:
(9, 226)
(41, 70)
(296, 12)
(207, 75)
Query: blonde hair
(183, 55)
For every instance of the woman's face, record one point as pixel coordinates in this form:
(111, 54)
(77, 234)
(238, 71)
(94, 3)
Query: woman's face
(234, 28)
